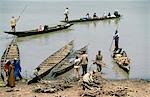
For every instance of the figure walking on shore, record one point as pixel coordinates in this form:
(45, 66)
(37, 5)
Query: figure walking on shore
(11, 77)
(66, 13)
(13, 22)
(84, 62)
(98, 61)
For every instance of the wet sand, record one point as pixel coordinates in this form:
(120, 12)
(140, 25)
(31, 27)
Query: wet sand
(111, 88)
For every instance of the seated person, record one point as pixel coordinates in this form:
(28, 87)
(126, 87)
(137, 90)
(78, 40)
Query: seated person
(45, 27)
(118, 51)
(36, 73)
(86, 17)
(109, 15)
(124, 54)
(95, 16)
(116, 14)
(41, 28)
(104, 15)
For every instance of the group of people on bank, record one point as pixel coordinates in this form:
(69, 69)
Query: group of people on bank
(82, 61)
(11, 72)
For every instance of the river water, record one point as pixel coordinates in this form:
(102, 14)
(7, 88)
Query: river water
(133, 29)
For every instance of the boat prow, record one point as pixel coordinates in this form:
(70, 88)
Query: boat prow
(122, 60)
(10, 53)
(49, 63)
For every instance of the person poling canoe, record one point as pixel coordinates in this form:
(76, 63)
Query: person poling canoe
(66, 13)
(13, 22)
(116, 38)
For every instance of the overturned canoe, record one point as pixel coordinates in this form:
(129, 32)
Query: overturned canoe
(123, 61)
(48, 64)
(68, 63)
(35, 31)
(11, 52)
(90, 19)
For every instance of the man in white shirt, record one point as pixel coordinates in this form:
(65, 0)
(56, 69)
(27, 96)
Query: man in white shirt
(66, 13)
(77, 62)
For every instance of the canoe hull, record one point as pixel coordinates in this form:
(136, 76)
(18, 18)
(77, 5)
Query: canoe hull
(11, 52)
(88, 20)
(49, 63)
(66, 65)
(36, 32)
(125, 67)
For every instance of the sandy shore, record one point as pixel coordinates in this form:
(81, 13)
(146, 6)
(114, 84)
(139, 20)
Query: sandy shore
(111, 88)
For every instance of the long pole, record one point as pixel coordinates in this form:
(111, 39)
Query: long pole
(23, 10)
(111, 45)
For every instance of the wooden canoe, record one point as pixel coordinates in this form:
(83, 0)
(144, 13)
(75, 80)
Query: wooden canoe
(11, 52)
(125, 67)
(48, 64)
(90, 19)
(68, 63)
(35, 31)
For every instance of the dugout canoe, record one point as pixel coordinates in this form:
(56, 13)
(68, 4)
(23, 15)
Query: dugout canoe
(11, 52)
(35, 31)
(90, 19)
(68, 63)
(125, 67)
(49, 63)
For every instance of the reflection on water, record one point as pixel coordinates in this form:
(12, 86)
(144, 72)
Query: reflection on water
(120, 71)
(42, 36)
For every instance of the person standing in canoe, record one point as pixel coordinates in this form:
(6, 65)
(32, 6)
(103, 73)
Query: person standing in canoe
(84, 62)
(66, 13)
(116, 38)
(13, 22)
